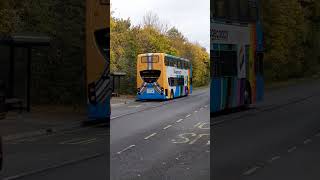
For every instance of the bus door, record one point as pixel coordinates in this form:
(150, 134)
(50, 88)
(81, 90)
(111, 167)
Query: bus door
(259, 75)
(224, 75)
(229, 73)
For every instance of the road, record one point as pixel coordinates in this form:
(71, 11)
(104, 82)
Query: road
(80, 152)
(148, 140)
(277, 139)
(169, 141)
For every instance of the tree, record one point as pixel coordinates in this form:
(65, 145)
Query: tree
(127, 41)
(151, 20)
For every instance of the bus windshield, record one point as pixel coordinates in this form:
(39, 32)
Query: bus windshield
(150, 76)
(101, 37)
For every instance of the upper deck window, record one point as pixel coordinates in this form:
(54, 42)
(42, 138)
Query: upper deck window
(149, 59)
(176, 62)
(235, 10)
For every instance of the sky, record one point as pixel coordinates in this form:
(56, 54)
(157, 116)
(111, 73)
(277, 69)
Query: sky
(191, 17)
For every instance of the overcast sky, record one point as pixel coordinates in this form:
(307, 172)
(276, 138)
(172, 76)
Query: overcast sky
(191, 17)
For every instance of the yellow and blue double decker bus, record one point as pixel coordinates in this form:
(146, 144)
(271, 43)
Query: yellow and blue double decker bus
(161, 76)
(97, 59)
(236, 54)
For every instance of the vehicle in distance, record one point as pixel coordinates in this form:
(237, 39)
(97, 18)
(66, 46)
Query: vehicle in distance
(161, 76)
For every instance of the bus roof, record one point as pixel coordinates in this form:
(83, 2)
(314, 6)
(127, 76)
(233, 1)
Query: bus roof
(168, 55)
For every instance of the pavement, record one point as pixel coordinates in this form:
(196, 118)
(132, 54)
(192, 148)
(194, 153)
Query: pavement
(39, 122)
(46, 119)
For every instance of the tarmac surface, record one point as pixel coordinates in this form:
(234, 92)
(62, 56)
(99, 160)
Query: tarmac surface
(276, 139)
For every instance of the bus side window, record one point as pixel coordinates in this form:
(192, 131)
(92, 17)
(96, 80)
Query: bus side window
(244, 10)
(220, 8)
(181, 81)
(166, 62)
(216, 64)
(171, 81)
(252, 10)
(178, 64)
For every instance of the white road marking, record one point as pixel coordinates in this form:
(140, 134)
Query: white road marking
(89, 141)
(125, 149)
(201, 126)
(307, 141)
(135, 106)
(179, 120)
(251, 171)
(195, 111)
(151, 135)
(183, 138)
(208, 143)
(206, 106)
(292, 149)
(198, 137)
(199, 123)
(72, 140)
(274, 158)
(188, 115)
(79, 141)
(167, 127)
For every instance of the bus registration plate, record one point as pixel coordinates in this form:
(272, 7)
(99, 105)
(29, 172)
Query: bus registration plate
(150, 91)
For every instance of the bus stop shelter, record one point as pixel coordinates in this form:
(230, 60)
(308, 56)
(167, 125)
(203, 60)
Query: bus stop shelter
(116, 82)
(27, 41)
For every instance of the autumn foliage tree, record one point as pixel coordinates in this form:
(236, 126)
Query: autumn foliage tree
(127, 41)
(292, 38)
